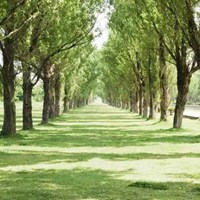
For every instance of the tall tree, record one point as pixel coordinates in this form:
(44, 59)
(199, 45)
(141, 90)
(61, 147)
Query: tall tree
(182, 44)
(16, 17)
(65, 35)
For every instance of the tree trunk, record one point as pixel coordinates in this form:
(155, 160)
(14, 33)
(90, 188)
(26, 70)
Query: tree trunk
(66, 99)
(131, 101)
(152, 106)
(52, 99)
(27, 100)
(183, 89)
(183, 82)
(123, 104)
(164, 88)
(71, 104)
(145, 102)
(140, 99)
(127, 105)
(57, 94)
(135, 104)
(138, 73)
(78, 103)
(151, 93)
(47, 92)
(145, 108)
(8, 76)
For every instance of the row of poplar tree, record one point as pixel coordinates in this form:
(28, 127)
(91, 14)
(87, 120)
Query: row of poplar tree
(48, 41)
(153, 45)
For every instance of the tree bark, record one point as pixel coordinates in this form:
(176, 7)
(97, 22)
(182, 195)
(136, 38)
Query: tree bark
(183, 89)
(145, 103)
(57, 88)
(66, 99)
(140, 83)
(183, 82)
(135, 104)
(152, 114)
(8, 76)
(131, 102)
(140, 98)
(52, 99)
(164, 88)
(47, 92)
(127, 105)
(123, 104)
(145, 108)
(71, 104)
(151, 93)
(27, 100)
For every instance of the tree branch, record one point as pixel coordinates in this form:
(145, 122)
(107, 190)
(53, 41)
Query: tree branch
(32, 17)
(166, 46)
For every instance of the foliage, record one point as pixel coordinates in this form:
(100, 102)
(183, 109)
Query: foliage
(38, 93)
(194, 94)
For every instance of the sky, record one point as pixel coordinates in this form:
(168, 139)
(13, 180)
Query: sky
(102, 25)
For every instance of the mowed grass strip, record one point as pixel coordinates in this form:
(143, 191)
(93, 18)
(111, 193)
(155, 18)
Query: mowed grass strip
(100, 152)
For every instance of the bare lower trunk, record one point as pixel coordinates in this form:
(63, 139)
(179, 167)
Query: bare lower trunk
(145, 108)
(47, 93)
(164, 105)
(123, 104)
(164, 88)
(131, 102)
(66, 99)
(8, 76)
(152, 113)
(127, 105)
(9, 122)
(52, 100)
(66, 105)
(78, 103)
(183, 88)
(45, 112)
(151, 92)
(57, 94)
(71, 104)
(183, 83)
(27, 101)
(135, 104)
(140, 99)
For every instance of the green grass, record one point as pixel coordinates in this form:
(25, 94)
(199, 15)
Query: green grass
(100, 153)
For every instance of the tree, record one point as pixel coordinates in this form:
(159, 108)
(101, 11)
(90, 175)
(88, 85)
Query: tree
(183, 33)
(15, 16)
(64, 36)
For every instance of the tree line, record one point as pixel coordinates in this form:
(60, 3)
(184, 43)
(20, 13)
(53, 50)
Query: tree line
(150, 41)
(48, 41)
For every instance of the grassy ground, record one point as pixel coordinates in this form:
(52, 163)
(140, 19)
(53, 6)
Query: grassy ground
(101, 153)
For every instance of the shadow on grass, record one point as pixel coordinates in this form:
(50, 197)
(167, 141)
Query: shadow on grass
(50, 135)
(149, 185)
(196, 189)
(11, 137)
(81, 184)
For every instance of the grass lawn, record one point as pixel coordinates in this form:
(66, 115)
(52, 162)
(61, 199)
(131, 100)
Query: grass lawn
(100, 153)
